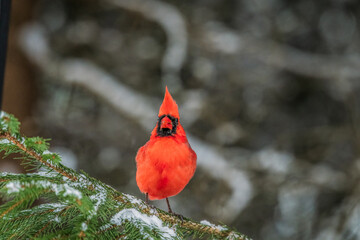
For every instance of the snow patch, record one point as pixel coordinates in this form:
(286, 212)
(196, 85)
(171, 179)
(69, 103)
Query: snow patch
(207, 223)
(43, 172)
(152, 222)
(99, 199)
(103, 227)
(68, 191)
(3, 114)
(84, 226)
(47, 152)
(5, 174)
(133, 199)
(13, 187)
(59, 189)
(58, 207)
(22, 141)
(234, 236)
(4, 141)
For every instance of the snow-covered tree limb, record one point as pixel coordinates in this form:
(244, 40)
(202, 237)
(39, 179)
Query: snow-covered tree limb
(77, 206)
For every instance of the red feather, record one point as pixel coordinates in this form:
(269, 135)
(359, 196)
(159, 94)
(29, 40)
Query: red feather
(166, 163)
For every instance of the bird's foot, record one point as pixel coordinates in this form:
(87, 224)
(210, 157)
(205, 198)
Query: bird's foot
(181, 217)
(147, 201)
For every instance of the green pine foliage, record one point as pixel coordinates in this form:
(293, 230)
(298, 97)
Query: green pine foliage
(57, 202)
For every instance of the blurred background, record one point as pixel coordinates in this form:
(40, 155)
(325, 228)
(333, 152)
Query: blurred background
(268, 93)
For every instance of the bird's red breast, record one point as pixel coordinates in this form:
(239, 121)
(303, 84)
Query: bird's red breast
(166, 163)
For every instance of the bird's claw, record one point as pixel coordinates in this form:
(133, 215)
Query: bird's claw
(181, 217)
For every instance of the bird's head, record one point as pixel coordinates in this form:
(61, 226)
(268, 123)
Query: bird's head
(168, 116)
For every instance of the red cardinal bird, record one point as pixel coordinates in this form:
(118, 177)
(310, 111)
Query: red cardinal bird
(166, 163)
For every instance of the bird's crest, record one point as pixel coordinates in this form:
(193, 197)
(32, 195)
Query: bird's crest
(169, 106)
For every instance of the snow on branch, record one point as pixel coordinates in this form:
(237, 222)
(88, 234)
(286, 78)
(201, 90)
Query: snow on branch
(79, 206)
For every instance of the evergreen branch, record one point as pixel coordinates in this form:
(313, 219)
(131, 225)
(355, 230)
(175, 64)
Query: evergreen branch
(106, 229)
(31, 215)
(79, 206)
(35, 155)
(12, 236)
(12, 207)
(42, 229)
(185, 223)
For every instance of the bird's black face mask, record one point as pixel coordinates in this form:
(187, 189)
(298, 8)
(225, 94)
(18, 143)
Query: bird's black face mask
(166, 125)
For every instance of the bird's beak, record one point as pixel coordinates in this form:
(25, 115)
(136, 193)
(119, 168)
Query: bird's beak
(166, 123)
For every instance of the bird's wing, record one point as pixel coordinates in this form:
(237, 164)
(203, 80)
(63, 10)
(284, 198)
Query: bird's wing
(140, 156)
(193, 156)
